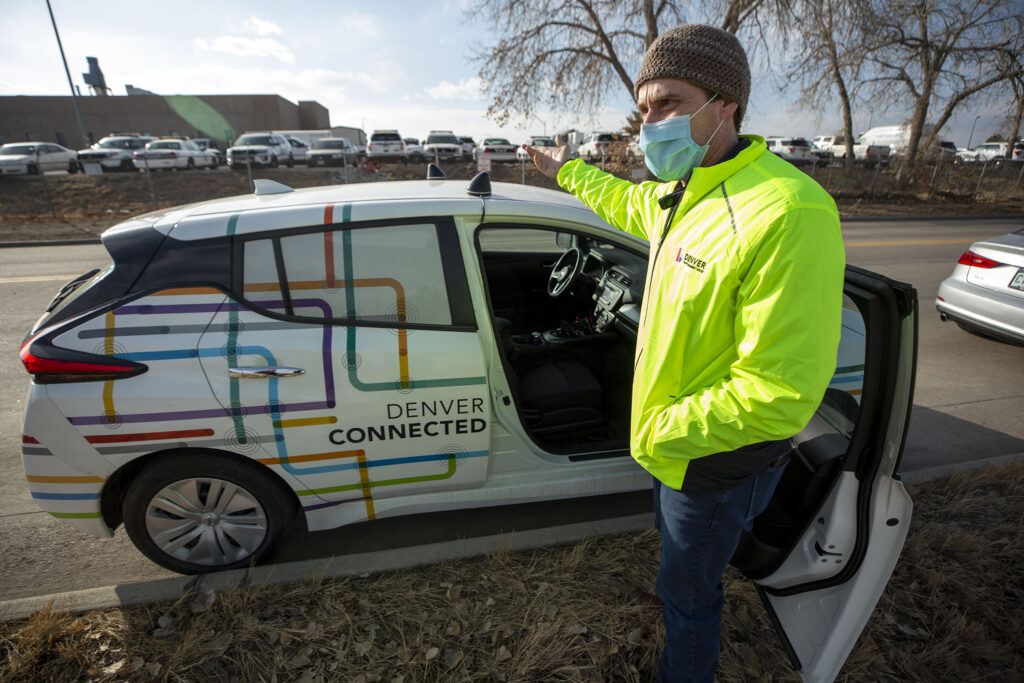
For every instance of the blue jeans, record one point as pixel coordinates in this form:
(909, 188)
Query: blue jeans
(699, 533)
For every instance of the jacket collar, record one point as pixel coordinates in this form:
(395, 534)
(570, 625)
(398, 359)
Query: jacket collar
(706, 178)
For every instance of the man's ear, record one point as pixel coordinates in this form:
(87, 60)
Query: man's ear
(729, 108)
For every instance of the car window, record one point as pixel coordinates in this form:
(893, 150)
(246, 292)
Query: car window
(254, 140)
(390, 274)
(385, 137)
(840, 406)
(519, 239)
(442, 139)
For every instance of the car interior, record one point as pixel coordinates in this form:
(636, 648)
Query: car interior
(565, 309)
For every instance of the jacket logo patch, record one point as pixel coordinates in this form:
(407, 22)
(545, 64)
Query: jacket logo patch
(688, 259)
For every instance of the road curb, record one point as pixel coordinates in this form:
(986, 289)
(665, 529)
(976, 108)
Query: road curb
(157, 590)
(112, 597)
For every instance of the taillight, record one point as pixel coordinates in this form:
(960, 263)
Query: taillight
(50, 364)
(174, 155)
(969, 258)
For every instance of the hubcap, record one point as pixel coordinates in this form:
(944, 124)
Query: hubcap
(206, 521)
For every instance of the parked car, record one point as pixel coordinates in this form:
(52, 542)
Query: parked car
(386, 145)
(598, 145)
(115, 152)
(468, 146)
(499, 149)
(534, 141)
(260, 149)
(793, 150)
(994, 152)
(414, 150)
(333, 152)
(210, 147)
(173, 153)
(985, 293)
(443, 146)
(300, 150)
(35, 157)
(354, 352)
(1018, 151)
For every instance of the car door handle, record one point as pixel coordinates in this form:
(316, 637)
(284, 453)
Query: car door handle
(245, 373)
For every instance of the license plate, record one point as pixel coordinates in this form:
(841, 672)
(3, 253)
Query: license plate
(1018, 280)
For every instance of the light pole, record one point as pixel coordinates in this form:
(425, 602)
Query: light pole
(74, 96)
(972, 131)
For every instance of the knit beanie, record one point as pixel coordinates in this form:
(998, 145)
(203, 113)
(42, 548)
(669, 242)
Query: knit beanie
(701, 55)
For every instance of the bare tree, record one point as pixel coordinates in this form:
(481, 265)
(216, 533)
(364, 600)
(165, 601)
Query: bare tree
(830, 44)
(939, 53)
(1015, 88)
(569, 55)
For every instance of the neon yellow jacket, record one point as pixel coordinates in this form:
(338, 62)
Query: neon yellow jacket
(741, 314)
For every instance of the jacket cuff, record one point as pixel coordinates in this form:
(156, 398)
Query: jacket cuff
(564, 177)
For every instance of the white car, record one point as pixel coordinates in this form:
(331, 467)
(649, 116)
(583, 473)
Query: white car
(115, 152)
(348, 353)
(386, 145)
(442, 145)
(468, 146)
(599, 145)
(414, 150)
(260, 149)
(173, 153)
(20, 158)
(793, 150)
(300, 150)
(534, 141)
(333, 152)
(498, 149)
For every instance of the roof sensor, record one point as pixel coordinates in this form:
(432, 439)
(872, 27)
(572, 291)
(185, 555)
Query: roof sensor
(434, 172)
(480, 185)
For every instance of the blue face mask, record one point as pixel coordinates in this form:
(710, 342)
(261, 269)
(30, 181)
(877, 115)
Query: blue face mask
(669, 150)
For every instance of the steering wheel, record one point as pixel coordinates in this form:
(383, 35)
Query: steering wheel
(567, 269)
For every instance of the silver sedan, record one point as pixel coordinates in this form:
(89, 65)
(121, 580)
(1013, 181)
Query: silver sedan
(985, 293)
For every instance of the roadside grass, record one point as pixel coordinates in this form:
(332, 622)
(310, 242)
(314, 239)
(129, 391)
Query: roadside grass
(953, 610)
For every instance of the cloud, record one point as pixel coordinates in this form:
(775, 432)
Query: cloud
(260, 27)
(366, 25)
(246, 47)
(465, 89)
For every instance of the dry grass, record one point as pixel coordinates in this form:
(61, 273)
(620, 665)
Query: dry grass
(953, 610)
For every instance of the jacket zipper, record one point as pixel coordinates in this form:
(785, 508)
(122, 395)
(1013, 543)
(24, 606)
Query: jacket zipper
(676, 196)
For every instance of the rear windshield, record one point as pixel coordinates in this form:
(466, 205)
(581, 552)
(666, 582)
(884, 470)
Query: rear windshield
(496, 141)
(329, 144)
(71, 291)
(796, 142)
(385, 137)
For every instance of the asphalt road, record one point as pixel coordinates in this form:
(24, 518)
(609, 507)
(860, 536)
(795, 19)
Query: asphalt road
(968, 406)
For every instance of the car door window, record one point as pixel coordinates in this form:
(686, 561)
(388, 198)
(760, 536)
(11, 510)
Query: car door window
(386, 274)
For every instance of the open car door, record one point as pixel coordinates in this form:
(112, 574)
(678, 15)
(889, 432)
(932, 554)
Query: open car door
(823, 550)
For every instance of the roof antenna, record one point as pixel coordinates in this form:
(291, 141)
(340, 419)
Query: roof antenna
(480, 185)
(434, 172)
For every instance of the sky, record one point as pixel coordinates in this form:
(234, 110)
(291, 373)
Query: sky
(391, 64)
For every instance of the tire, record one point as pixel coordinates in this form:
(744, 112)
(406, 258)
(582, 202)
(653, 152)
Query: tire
(273, 161)
(190, 164)
(73, 167)
(190, 536)
(127, 165)
(32, 169)
(291, 162)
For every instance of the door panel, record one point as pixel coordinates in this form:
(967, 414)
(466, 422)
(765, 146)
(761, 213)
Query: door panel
(826, 578)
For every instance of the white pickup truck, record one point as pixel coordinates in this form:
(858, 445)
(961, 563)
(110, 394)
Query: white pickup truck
(862, 151)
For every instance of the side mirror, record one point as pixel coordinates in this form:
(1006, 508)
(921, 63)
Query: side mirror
(563, 240)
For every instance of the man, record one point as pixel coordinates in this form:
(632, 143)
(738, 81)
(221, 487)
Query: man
(740, 321)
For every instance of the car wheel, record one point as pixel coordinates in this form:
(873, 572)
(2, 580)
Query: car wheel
(190, 164)
(273, 161)
(291, 162)
(199, 512)
(32, 169)
(127, 165)
(72, 167)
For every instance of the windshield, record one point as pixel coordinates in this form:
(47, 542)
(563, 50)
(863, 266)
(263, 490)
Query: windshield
(329, 144)
(254, 140)
(165, 145)
(117, 143)
(18, 149)
(442, 139)
(496, 141)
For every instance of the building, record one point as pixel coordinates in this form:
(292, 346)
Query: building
(219, 117)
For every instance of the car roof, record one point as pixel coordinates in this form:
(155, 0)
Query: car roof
(358, 202)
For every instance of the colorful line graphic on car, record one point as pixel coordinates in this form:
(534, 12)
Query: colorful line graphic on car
(116, 326)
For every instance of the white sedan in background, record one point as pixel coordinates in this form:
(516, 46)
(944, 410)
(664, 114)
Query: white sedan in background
(499, 149)
(20, 158)
(174, 153)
